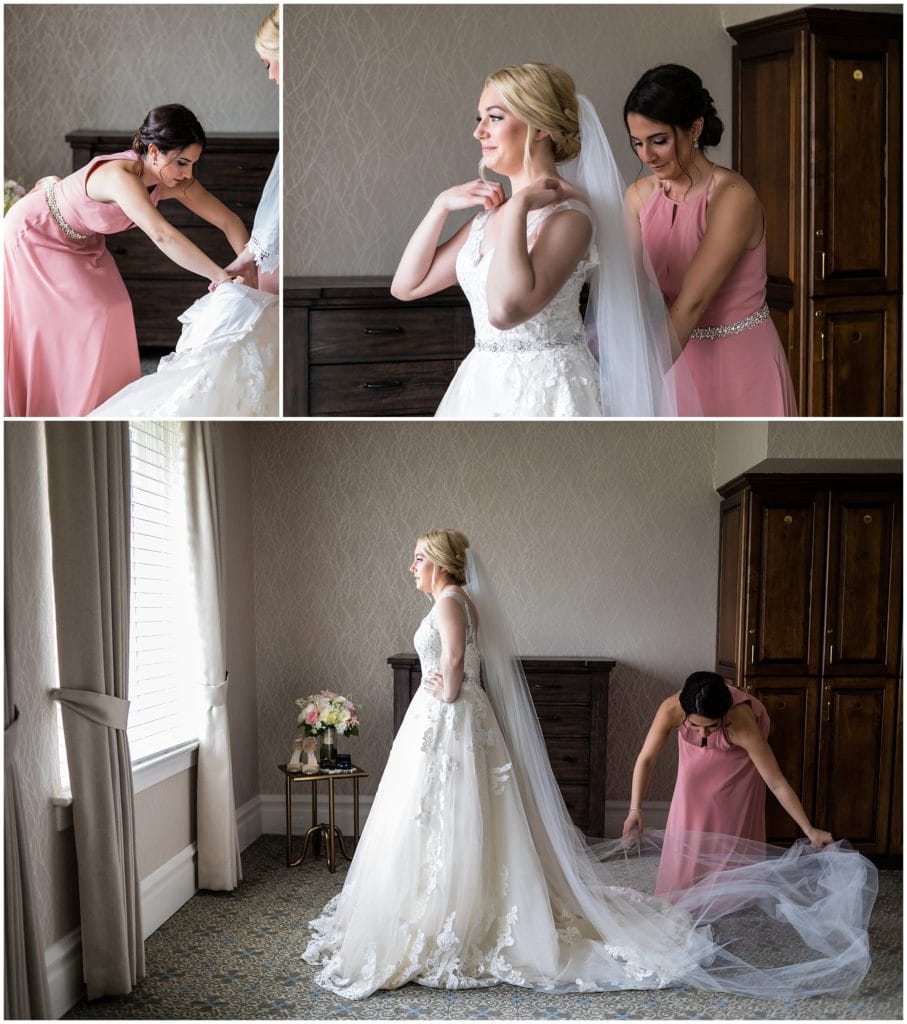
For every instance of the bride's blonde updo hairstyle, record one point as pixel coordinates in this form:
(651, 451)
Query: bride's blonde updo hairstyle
(544, 96)
(267, 39)
(447, 549)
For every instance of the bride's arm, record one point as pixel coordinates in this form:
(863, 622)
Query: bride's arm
(426, 267)
(451, 622)
(522, 283)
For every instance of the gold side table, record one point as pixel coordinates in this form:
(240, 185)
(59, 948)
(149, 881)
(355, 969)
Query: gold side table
(330, 831)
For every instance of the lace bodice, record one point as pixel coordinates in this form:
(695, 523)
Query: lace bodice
(427, 641)
(558, 325)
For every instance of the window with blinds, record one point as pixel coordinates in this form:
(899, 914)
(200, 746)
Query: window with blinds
(161, 714)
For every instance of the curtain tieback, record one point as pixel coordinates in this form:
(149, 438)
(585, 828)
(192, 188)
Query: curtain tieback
(215, 694)
(102, 708)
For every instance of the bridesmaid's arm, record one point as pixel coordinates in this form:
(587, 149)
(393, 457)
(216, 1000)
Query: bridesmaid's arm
(195, 197)
(744, 732)
(119, 185)
(451, 621)
(522, 283)
(668, 717)
(734, 215)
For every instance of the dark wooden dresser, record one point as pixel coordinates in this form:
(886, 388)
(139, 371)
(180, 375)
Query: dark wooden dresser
(351, 349)
(233, 167)
(571, 700)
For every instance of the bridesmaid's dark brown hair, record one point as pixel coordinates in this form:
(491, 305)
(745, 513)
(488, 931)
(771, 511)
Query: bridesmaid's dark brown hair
(169, 127)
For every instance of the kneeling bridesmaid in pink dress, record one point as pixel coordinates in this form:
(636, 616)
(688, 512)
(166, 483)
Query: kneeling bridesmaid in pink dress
(70, 340)
(724, 766)
(703, 232)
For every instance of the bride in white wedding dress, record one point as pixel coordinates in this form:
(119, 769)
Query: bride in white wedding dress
(522, 263)
(226, 359)
(469, 871)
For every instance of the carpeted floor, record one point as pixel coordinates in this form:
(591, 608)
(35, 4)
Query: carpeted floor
(237, 956)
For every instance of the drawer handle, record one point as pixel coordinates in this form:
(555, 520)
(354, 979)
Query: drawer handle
(380, 385)
(382, 330)
(244, 170)
(118, 250)
(553, 718)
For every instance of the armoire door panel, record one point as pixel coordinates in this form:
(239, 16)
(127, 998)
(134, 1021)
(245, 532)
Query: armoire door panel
(856, 749)
(855, 365)
(787, 544)
(731, 576)
(863, 603)
(792, 706)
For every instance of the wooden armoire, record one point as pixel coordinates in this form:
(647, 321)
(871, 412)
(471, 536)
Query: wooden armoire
(809, 621)
(817, 132)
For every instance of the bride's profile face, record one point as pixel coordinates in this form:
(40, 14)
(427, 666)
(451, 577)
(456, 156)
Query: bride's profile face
(273, 66)
(423, 569)
(501, 134)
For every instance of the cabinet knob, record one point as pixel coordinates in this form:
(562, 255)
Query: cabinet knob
(788, 520)
(856, 337)
(867, 519)
(858, 75)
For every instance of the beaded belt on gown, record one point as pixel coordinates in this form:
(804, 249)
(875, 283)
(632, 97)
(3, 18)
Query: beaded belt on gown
(51, 197)
(736, 328)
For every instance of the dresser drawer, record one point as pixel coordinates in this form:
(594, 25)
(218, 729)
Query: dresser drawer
(576, 797)
(157, 305)
(555, 688)
(563, 719)
(243, 202)
(569, 758)
(137, 256)
(369, 335)
(216, 170)
(379, 389)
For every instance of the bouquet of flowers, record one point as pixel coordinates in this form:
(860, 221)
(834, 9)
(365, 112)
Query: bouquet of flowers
(327, 710)
(13, 191)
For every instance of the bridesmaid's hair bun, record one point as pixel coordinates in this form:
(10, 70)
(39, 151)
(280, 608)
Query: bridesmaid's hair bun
(447, 549)
(170, 127)
(706, 694)
(675, 95)
(544, 96)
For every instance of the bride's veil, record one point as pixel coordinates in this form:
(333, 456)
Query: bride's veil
(627, 327)
(763, 921)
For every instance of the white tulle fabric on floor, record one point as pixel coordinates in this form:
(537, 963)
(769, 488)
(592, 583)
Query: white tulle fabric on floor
(225, 364)
(470, 872)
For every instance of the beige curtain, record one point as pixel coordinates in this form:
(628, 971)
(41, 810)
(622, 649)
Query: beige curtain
(219, 865)
(25, 992)
(88, 492)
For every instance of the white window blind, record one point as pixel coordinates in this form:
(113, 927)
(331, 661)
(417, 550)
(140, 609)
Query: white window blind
(162, 699)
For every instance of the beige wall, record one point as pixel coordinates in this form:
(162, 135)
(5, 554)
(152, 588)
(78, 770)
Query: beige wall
(70, 66)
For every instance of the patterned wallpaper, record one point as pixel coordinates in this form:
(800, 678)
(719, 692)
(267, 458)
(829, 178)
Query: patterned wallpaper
(602, 540)
(365, 153)
(823, 439)
(70, 66)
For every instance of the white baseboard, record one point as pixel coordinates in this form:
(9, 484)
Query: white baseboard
(165, 890)
(63, 962)
(248, 822)
(274, 814)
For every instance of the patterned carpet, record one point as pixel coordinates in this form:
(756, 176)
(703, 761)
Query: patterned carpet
(237, 956)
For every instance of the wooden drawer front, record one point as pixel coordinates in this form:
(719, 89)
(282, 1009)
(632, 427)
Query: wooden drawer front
(137, 256)
(238, 169)
(569, 758)
(242, 201)
(367, 335)
(564, 721)
(379, 389)
(560, 689)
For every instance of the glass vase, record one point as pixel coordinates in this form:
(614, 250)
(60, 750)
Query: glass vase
(328, 758)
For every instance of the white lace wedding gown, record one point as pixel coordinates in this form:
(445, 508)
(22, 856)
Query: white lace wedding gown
(225, 363)
(453, 887)
(542, 367)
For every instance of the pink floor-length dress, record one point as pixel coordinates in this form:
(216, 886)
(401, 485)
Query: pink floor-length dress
(68, 324)
(743, 374)
(718, 792)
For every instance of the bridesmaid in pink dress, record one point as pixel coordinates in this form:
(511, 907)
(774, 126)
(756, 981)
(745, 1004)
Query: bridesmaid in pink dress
(703, 231)
(724, 765)
(70, 340)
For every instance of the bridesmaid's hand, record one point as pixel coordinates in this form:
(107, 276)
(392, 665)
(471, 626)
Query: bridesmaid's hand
(819, 837)
(236, 279)
(434, 684)
(487, 194)
(633, 821)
